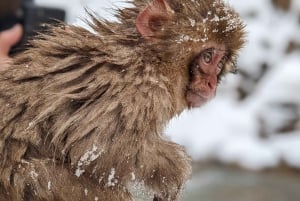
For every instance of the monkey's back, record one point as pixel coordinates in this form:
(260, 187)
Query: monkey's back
(75, 108)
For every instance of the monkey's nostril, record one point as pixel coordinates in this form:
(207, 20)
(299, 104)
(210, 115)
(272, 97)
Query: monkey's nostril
(210, 85)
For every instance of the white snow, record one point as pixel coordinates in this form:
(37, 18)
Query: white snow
(139, 191)
(112, 181)
(86, 159)
(193, 22)
(132, 176)
(226, 129)
(288, 147)
(33, 175)
(49, 185)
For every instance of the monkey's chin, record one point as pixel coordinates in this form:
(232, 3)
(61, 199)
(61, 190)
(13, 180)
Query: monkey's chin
(195, 99)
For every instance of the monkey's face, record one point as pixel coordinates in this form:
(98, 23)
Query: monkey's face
(200, 38)
(205, 70)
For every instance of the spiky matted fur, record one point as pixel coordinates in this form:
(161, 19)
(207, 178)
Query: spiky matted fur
(82, 113)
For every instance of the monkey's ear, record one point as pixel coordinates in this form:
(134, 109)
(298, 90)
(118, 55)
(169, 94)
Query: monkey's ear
(151, 20)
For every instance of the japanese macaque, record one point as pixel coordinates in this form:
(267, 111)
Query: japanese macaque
(82, 113)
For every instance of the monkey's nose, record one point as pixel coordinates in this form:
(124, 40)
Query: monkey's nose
(211, 83)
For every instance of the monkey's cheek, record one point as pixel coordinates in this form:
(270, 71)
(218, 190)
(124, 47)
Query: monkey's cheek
(195, 100)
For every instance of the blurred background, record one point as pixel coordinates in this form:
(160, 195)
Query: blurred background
(246, 142)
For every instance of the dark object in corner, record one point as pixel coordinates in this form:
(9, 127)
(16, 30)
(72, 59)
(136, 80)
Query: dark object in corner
(31, 16)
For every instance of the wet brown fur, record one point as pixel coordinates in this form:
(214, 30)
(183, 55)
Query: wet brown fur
(78, 107)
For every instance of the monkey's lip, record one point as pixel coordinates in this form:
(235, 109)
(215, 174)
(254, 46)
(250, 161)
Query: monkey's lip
(196, 99)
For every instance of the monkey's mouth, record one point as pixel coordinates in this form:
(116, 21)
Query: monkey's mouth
(196, 99)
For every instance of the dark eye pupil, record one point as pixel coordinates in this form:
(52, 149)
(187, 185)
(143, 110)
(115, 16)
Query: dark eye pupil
(207, 57)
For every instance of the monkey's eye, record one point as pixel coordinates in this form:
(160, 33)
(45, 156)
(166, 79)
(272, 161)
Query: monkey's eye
(207, 56)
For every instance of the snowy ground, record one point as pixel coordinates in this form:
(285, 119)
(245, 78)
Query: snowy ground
(245, 123)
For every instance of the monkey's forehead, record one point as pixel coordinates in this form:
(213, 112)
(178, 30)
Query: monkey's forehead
(210, 20)
(207, 13)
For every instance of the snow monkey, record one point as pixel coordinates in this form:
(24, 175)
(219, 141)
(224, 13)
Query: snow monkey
(82, 113)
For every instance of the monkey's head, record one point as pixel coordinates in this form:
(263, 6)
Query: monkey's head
(197, 38)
